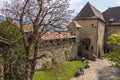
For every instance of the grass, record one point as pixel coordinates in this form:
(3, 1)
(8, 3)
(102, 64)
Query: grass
(65, 72)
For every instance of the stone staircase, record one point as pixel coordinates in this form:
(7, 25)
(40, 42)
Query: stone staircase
(90, 55)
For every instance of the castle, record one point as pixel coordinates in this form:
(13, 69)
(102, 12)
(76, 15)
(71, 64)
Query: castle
(87, 35)
(95, 29)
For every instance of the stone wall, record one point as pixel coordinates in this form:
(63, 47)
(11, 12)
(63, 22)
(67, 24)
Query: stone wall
(56, 55)
(92, 37)
(101, 33)
(108, 31)
(88, 33)
(111, 30)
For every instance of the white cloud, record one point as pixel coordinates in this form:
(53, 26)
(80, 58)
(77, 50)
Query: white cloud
(118, 2)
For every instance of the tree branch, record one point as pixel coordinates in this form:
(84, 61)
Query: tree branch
(37, 58)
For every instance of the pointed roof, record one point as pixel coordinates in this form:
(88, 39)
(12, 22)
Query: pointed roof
(89, 12)
(112, 16)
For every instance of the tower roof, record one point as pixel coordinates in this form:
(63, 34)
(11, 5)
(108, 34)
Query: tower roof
(112, 16)
(74, 24)
(89, 12)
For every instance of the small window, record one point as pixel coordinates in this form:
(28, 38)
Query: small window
(111, 19)
(92, 26)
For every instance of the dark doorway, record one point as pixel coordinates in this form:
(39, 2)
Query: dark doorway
(79, 51)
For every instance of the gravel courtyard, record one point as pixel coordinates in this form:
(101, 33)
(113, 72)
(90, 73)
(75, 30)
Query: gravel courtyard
(100, 70)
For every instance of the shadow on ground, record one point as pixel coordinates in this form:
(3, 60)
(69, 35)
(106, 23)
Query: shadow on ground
(109, 73)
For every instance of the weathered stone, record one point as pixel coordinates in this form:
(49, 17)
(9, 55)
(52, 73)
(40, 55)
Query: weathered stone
(56, 56)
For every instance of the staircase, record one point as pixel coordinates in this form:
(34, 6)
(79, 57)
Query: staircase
(90, 54)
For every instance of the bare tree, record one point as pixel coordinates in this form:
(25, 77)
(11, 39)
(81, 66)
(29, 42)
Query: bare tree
(44, 16)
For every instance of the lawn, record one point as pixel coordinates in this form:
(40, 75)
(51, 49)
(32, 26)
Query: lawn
(65, 72)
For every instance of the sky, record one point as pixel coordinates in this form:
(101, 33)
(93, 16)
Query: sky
(101, 5)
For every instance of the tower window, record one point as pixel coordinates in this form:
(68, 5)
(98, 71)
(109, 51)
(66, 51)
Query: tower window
(111, 19)
(92, 26)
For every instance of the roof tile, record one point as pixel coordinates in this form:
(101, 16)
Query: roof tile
(112, 16)
(89, 12)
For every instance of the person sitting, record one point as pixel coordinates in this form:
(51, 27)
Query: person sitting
(86, 65)
(83, 59)
(78, 73)
(82, 71)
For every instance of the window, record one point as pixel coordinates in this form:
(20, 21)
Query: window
(92, 26)
(111, 19)
(87, 47)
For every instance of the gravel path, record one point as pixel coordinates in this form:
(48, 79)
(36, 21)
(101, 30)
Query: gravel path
(100, 70)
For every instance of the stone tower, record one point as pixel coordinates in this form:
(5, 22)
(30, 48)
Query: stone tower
(92, 32)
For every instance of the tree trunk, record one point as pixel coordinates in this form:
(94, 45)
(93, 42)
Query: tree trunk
(30, 66)
(27, 65)
(33, 62)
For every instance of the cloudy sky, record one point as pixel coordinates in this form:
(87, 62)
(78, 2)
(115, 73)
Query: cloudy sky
(102, 5)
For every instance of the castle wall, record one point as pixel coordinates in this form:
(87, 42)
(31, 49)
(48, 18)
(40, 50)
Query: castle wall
(56, 55)
(93, 31)
(108, 31)
(111, 30)
(89, 31)
(101, 33)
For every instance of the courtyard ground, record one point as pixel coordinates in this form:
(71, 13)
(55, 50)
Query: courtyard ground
(100, 70)
(63, 72)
